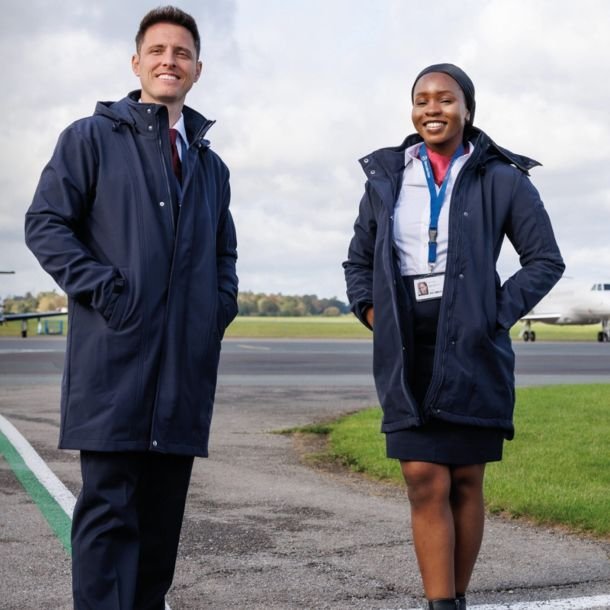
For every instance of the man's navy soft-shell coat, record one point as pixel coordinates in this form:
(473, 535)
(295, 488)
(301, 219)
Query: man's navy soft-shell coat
(473, 375)
(150, 294)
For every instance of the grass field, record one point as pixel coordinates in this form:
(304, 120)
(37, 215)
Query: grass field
(342, 327)
(348, 327)
(13, 329)
(556, 470)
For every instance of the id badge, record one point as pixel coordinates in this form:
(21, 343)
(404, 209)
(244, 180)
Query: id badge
(429, 287)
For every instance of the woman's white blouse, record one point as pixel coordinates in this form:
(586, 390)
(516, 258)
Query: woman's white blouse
(412, 216)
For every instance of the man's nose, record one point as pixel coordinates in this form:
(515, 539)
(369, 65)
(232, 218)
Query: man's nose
(169, 58)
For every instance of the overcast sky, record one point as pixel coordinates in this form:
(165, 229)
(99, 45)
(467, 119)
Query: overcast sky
(300, 90)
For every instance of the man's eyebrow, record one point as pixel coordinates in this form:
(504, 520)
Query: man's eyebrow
(161, 45)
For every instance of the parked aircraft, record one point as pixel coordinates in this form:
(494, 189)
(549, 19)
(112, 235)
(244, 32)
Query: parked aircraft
(24, 317)
(572, 302)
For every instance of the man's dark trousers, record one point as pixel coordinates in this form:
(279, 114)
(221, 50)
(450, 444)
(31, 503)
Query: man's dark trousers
(126, 529)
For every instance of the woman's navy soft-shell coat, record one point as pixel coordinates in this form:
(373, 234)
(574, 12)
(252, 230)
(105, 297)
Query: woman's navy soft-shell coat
(150, 292)
(473, 375)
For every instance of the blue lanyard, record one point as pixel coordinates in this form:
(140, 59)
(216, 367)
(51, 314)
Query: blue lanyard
(436, 198)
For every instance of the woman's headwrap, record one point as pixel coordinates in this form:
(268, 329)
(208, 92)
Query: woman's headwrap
(460, 77)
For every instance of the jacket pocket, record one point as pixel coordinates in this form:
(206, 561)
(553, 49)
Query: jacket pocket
(225, 314)
(221, 317)
(118, 312)
(115, 310)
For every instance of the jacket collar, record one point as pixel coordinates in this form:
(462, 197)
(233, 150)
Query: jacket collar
(391, 160)
(146, 118)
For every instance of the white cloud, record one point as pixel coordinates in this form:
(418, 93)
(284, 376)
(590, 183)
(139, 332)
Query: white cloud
(301, 90)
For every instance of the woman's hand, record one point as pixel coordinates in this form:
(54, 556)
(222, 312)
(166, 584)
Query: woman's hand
(370, 316)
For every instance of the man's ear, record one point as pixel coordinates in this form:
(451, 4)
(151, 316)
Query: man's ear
(198, 70)
(135, 64)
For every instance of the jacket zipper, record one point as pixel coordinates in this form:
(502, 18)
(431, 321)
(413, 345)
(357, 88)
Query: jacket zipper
(152, 441)
(436, 381)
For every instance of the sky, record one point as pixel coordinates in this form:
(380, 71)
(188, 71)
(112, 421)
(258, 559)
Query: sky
(300, 90)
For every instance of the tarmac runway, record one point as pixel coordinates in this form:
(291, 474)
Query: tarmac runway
(264, 530)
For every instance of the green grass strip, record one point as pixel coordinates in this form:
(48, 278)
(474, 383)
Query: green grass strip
(556, 471)
(57, 519)
(339, 327)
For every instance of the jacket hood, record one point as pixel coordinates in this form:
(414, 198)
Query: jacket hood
(486, 149)
(130, 112)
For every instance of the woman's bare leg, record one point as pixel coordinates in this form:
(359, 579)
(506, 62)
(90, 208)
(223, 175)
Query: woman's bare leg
(429, 492)
(469, 518)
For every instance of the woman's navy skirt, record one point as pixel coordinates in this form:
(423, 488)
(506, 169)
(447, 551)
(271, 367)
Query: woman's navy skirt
(437, 441)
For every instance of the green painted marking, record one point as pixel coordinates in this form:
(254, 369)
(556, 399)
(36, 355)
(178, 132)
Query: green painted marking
(57, 519)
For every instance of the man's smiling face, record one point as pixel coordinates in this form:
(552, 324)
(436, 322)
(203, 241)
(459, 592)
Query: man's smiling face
(166, 64)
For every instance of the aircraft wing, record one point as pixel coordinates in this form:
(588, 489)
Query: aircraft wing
(8, 317)
(549, 318)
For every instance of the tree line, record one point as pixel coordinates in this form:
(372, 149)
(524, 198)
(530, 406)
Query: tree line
(261, 304)
(43, 301)
(250, 304)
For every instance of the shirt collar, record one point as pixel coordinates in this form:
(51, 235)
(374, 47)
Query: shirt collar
(181, 129)
(412, 152)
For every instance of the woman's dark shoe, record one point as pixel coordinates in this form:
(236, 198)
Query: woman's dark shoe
(460, 602)
(442, 604)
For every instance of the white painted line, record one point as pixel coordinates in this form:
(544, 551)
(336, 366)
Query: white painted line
(575, 603)
(62, 495)
(17, 350)
(258, 348)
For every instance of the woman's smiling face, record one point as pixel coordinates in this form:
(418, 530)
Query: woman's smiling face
(439, 112)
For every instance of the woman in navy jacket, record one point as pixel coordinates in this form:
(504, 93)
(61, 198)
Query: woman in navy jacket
(421, 272)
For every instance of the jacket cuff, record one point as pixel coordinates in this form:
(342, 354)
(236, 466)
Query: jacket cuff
(360, 310)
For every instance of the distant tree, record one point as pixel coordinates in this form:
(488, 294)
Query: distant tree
(331, 311)
(267, 306)
(260, 304)
(51, 301)
(19, 304)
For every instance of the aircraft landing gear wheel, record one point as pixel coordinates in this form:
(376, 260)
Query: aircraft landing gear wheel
(526, 335)
(532, 335)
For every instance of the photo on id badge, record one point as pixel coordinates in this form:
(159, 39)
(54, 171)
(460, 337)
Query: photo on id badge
(429, 287)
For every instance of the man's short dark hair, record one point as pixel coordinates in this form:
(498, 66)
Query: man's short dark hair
(168, 14)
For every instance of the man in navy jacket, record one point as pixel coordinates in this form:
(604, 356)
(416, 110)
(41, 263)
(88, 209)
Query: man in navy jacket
(137, 231)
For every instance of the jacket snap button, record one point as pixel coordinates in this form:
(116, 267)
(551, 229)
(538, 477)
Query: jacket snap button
(154, 443)
(148, 110)
(465, 213)
(150, 128)
(372, 172)
(461, 276)
(161, 203)
(366, 160)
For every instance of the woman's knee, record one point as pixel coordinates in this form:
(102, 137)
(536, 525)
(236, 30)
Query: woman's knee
(426, 482)
(467, 481)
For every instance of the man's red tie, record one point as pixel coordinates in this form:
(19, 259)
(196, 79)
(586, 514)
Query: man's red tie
(177, 165)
